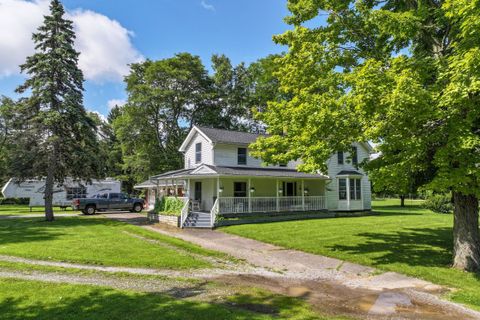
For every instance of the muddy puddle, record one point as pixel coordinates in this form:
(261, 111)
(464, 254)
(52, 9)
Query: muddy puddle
(336, 299)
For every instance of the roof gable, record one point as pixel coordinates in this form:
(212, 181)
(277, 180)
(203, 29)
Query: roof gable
(194, 131)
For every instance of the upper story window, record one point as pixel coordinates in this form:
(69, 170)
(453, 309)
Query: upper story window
(198, 152)
(242, 156)
(354, 156)
(340, 157)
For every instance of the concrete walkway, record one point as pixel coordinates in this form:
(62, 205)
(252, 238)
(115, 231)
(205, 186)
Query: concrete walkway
(330, 284)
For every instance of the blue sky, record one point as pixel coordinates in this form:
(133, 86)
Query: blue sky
(114, 32)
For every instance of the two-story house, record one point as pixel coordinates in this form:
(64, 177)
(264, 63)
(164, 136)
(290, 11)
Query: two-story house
(221, 176)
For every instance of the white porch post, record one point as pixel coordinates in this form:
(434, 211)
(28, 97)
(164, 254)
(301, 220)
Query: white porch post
(303, 195)
(249, 195)
(276, 195)
(348, 193)
(176, 188)
(218, 189)
(188, 189)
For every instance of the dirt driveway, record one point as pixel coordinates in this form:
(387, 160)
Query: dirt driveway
(331, 285)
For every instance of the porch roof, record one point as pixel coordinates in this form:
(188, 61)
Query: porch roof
(154, 183)
(224, 171)
(349, 173)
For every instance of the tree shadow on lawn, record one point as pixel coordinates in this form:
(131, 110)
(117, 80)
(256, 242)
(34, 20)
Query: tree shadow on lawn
(427, 247)
(37, 229)
(104, 303)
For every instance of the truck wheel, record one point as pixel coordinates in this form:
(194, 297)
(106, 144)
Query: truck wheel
(137, 208)
(90, 210)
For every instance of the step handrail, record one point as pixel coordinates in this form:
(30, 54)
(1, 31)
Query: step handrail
(214, 213)
(184, 213)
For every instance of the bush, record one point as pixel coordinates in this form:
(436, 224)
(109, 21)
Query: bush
(440, 203)
(170, 206)
(13, 201)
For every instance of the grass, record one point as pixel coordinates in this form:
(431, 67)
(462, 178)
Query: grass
(21, 299)
(20, 210)
(411, 240)
(94, 240)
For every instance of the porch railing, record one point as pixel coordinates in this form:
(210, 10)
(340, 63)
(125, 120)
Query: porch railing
(270, 204)
(185, 211)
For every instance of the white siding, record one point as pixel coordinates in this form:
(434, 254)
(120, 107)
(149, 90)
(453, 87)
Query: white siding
(334, 168)
(226, 155)
(207, 152)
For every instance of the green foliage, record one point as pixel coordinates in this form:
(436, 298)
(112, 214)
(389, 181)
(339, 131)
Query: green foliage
(14, 201)
(402, 74)
(440, 203)
(53, 134)
(171, 206)
(152, 125)
(381, 72)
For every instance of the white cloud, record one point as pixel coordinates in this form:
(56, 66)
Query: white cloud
(104, 44)
(207, 6)
(115, 102)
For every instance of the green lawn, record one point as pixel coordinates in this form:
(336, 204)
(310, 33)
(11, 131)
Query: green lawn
(94, 240)
(9, 210)
(40, 300)
(409, 240)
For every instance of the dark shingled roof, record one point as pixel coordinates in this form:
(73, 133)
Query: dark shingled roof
(264, 172)
(228, 136)
(349, 172)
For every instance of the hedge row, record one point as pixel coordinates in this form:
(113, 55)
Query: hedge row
(10, 201)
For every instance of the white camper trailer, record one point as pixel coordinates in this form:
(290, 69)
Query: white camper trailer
(62, 194)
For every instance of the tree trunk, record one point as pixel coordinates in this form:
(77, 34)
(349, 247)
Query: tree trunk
(466, 241)
(49, 192)
(402, 200)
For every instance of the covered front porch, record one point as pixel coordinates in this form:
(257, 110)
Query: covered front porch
(237, 195)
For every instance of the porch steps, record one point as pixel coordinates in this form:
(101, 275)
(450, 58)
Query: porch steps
(198, 220)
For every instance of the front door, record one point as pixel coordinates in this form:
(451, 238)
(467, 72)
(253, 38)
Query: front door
(198, 191)
(290, 189)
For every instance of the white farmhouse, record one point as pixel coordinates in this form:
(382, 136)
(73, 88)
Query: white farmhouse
(220, 177)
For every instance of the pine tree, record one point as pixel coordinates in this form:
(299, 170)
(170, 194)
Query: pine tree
(56, 137)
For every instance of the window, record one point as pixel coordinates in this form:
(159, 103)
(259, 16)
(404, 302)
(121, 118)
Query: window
(115, 196)
(76, 193)
(342, 189)
(283, 165)
(354, 156)
(340, 157)
(240, 189)
(355, 189)
(242, 156)
(198, 152)
(358, 188)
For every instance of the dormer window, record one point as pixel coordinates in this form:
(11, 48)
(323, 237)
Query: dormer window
(242, 156)
(340, 157)
(198, 153)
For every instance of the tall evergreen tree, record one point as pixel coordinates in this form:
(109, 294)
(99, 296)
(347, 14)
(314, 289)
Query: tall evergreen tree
(56, 138)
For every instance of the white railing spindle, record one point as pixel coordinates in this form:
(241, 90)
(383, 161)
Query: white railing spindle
(269, 204)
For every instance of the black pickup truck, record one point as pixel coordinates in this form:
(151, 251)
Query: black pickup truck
(108, 201)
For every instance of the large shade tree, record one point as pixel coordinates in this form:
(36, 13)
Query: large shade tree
(404, 74)
(167, 97)
(54, 136)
